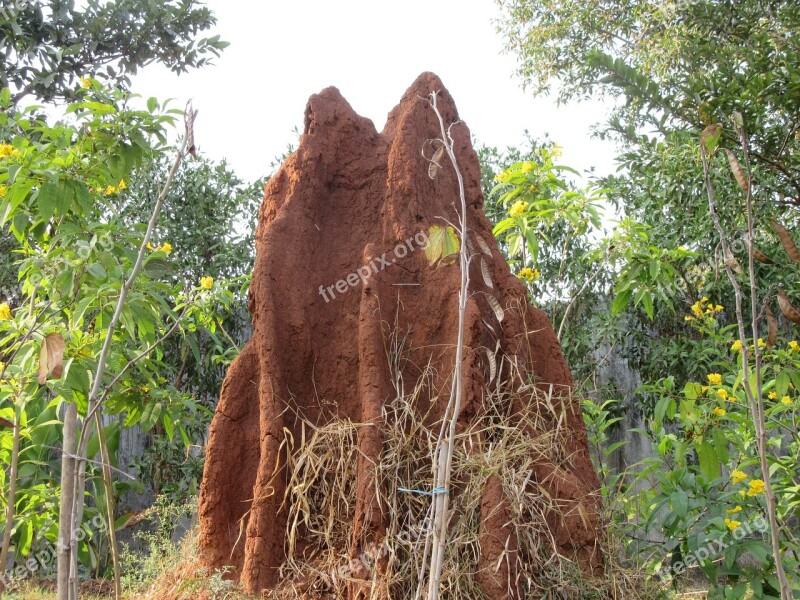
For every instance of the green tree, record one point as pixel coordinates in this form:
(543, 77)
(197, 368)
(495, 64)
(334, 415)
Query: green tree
(678, 67)
(675, 68)
(95, 307)
(680, 71)
(47, 46)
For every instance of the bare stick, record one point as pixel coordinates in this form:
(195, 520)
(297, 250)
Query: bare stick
(443, 459)
(12, 493)
(67, 498)
(761, 430)
(108, 484)
(755, 402)
(93, 401)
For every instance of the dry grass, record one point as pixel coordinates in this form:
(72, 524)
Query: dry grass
(45, 590)
(520, 427)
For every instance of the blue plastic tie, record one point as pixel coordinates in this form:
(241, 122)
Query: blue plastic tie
(436, 491)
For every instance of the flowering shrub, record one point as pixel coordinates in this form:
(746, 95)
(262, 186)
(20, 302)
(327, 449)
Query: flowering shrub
(62, 189)
(706, 491)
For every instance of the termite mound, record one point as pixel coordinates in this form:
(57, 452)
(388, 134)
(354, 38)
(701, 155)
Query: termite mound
(353, 344)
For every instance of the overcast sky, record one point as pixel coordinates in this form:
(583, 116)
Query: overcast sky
(282, 52)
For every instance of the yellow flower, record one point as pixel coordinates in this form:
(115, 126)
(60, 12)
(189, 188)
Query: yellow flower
(556, 150)
(681, 249)
(85, 82)
(517, 209)
(704, 388)
(756, 487)
(722, 393)
(697, 309)
(786, 400)
(714, 378)
(773, 394)
(704, 299)
(6, 150)
(738, 476)
(527, 167)
(5, 312)
(166, 248)
(742, 493)
(150, 246)
(528, 274)
(737, 346)
(794, 345)
(688, 318)
(3, 190)
(719, 308)
(718, 412)
(501, 176)
(732, 511)
(761, 343)
(206, 283)
(109, 190)
(732, 524)
(122, 185)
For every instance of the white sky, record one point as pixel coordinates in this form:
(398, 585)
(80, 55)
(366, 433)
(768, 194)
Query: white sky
(282, 52)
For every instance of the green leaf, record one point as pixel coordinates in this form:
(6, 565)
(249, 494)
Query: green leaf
(621, 302)
(680, 503)
(721, 445)
(25, 533)
(14, 197)
(647, 301)
(47, 200)
(661, 409)
(18, 225)
(156, 268)
(97, 270)
(169, 428)
(184, 436)
(150, 415)
(758, 549)
(709, 463)
(782, 382)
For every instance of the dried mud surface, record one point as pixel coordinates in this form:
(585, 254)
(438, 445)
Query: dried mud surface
(348, 195)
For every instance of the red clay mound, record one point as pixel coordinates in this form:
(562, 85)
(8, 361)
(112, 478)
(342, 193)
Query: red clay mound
(339, 266)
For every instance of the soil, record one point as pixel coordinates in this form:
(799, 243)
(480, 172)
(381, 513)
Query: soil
(347, 196)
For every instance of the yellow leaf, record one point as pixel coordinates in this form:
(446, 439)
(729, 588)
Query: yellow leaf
(442, 242)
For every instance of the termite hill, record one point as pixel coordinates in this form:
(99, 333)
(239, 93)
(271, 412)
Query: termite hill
(348, 201)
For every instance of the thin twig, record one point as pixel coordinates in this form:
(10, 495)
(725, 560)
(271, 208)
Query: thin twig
(89, 460)
(133, 361)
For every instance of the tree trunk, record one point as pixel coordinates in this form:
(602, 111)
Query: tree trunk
(108, 483)
(12, 498)
(67, 495)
